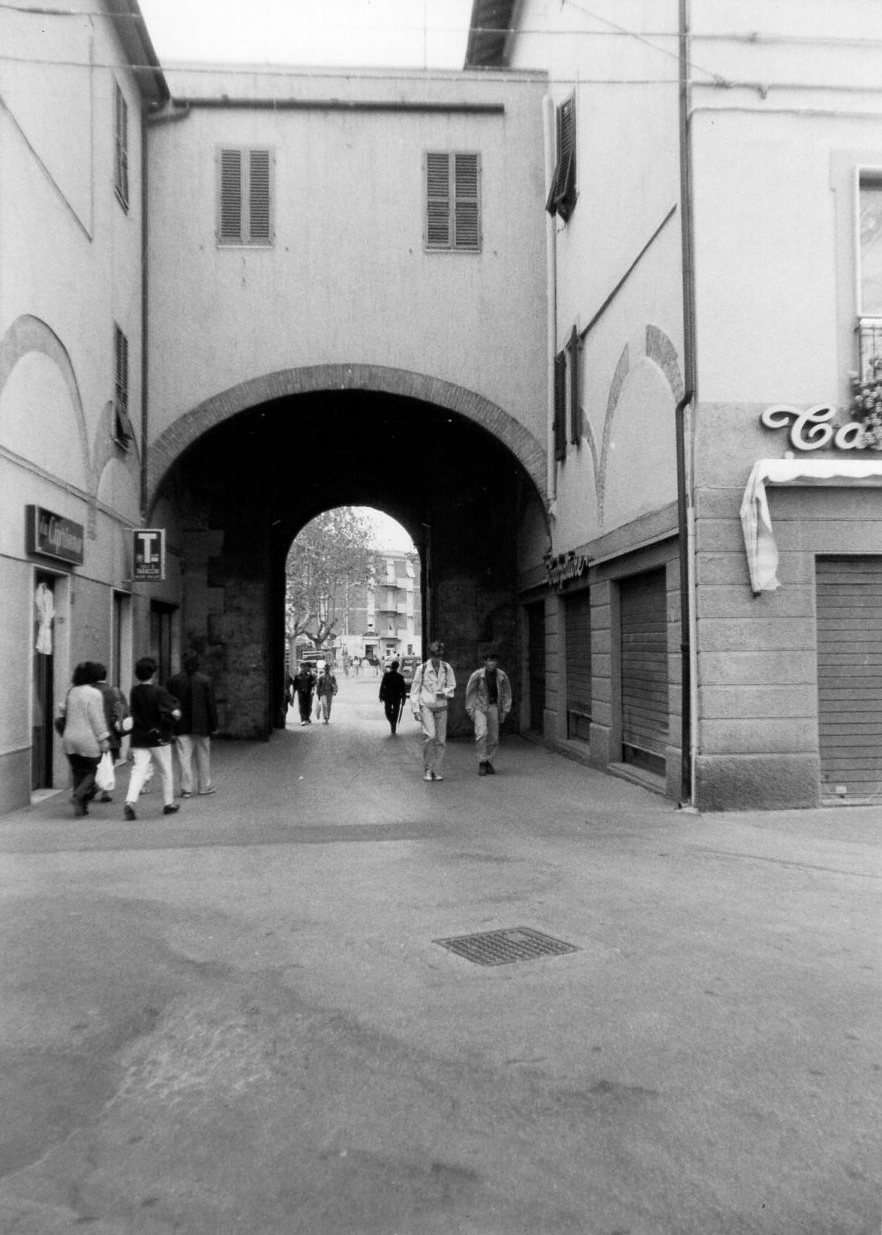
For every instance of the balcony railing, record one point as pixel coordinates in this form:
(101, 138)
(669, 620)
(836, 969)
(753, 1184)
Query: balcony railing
(869, 332)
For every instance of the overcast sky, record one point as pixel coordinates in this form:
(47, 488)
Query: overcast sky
(380, 33)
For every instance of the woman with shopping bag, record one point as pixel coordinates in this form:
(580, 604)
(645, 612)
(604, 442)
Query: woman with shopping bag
(116, 712)
(86, 736)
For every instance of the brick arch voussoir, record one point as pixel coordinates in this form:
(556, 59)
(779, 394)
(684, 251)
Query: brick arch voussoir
(207, 415)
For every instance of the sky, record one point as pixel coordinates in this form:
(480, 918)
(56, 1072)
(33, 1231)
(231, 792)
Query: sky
(356, 33)
(388, 534)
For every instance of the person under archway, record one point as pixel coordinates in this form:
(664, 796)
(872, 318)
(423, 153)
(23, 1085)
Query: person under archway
(393, 692)
(434, 685)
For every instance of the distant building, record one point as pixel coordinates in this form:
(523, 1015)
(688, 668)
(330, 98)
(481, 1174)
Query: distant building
(384, 618)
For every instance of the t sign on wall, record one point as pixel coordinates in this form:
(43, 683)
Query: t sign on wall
(148, 554)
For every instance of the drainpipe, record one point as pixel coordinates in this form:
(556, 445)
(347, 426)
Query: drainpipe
(144, 250)
(549, 117)
(685, 507)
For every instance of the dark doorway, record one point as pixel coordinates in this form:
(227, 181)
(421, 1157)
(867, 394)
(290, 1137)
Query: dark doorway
(43, 704)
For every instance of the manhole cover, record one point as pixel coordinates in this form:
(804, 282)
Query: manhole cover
(517, 943)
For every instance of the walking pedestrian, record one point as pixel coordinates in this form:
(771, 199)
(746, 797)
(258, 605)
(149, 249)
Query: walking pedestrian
(116, 712)
(434, 685)
(488, 702)
(86, 736)
(304, 685)
(195, 695)
(393, 692)
(154, 712)
(326, 689)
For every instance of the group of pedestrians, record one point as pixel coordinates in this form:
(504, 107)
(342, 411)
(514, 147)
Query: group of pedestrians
(487, 703)
(182, 716)
(304, 685)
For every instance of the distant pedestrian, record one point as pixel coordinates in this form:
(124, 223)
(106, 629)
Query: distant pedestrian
(434, 685)
(488, 702)
(195, 695)
(326, 689)
(116, 712)
(304, 685)
(86, 735)
(393, 692)
(154, 712)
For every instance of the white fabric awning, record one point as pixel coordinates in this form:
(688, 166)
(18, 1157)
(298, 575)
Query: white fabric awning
(759, 539)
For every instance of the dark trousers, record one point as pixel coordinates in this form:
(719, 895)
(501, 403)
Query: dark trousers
(83, 768)
(304, 699)
(393, 711)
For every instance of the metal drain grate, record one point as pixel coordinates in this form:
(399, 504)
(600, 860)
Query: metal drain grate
(516, 943)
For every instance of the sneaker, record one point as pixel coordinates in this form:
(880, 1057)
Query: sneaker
(482, 769)
(105, 797)
(204, 793)
(129, 812)
(491, 771)
(170, 810)
(186, 793)
(80, 809)
(428, 776)
(437, 776)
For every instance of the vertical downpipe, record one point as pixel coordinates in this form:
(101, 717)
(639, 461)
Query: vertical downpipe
(550, 137)
(144, 306)
(685, 508)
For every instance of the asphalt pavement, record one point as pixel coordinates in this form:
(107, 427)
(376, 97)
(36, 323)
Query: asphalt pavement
(246, 1017)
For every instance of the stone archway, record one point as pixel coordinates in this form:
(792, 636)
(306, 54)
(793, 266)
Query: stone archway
(168, 447)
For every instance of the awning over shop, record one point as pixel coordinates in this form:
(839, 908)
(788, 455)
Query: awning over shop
(756, 523)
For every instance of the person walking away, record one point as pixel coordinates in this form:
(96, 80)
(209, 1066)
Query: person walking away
(86, 736)
(154, 712)
(195, 695)
(434, 685)
(488, 702)
(393, 692)
(116, 712)
(304, 685)
(326, 689)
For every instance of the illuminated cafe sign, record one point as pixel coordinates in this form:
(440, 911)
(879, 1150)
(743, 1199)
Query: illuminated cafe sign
(53, 536)
(813, 429)
(565, 567)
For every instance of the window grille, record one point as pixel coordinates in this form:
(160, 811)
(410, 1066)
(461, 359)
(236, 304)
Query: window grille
(562, 194)
(453, 202)
(245, 197)
(121, 146)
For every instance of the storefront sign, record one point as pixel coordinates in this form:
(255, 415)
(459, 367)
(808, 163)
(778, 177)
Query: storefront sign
(562, 569)
(813, 429)
(52, 536)
(148, 554)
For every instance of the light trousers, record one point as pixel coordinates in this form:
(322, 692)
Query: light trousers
(434, 726)
(325, 701)
(198, 744)
(143, 757)
(487, 733)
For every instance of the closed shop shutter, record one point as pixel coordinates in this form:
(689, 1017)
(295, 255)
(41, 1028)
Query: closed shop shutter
(644, 669)
(536, 669)
(849, 613)
(578, 666)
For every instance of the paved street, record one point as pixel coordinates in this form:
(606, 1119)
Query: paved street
(238, 1019)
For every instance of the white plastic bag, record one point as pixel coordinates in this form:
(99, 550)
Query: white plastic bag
(105, 779)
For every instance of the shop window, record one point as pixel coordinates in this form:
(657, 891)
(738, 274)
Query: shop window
(453, 205)
(121, 146)
(244, 197)
(562, 194)
(123, 431)
(870, 267)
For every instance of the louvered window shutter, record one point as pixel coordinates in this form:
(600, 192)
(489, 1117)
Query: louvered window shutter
(437, 201)
(573, 347)
(259, 196)
(121, 143)
(123, 430)
(562, 195)
(231, 196)
(560, 406)
(468, 232)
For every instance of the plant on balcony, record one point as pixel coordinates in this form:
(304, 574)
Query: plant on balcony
(866, 404)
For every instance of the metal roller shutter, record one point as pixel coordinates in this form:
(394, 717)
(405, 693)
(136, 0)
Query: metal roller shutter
(578, 666)
(644, 670)
(849, 616)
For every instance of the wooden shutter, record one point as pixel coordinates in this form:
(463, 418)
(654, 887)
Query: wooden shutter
(467, 222)
(437, 201)
(849, 618)
(123, 430)
(259, 195)
(562, 194)
(573, 348)
(560, 406)
(231, 196)
(644, 670)
(578, 665)
(121, 143)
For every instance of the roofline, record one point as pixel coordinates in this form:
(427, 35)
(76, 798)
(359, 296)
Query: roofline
(138, 47)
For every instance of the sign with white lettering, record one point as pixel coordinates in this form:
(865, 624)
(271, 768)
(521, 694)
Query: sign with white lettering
(53, 536)
(565, 567)
(813, 429)
(148, 554)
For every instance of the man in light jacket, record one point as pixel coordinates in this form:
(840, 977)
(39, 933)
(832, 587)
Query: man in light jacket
(488, 702)
(434, 684)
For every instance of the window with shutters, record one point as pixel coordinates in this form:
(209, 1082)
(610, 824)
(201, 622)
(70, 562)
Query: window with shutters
(122, 431)
(245, 196)
(560, 406)
(562, 194)
(453, 202)
(121, 146)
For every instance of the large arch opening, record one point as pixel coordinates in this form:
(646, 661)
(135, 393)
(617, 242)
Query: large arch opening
(245, 487)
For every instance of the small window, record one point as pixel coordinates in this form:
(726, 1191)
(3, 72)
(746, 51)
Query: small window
(560, 406)
(870, 267)
(121, 146)
(244, 197)
(123, 431)
(562, 194)
(453, 205)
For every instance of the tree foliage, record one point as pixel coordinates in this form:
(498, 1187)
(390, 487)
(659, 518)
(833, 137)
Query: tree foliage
(332, 553)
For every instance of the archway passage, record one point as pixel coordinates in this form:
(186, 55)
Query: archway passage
(244, 489)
